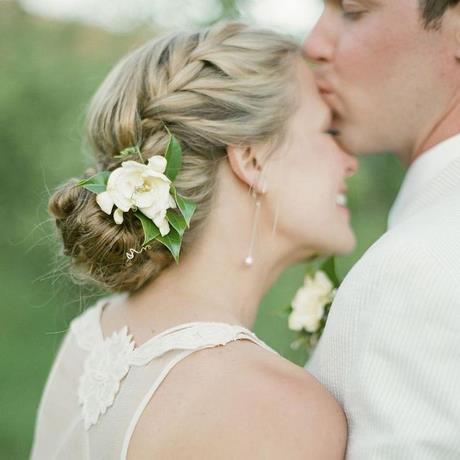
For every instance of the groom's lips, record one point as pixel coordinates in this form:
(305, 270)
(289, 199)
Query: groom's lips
(323, 85)
(329, 96)
(325, 90)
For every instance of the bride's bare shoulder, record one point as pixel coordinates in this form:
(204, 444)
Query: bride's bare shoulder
(238, 400)
(292, 412)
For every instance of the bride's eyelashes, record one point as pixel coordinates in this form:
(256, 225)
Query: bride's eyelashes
(332, 132)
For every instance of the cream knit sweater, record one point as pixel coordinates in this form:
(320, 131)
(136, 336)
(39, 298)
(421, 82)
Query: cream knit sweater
(391, 349)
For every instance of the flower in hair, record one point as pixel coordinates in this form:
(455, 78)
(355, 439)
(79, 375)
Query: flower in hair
(148, 191)
(138, 186)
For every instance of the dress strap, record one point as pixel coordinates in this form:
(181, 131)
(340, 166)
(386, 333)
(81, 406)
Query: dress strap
(186, 340)
(193, 336)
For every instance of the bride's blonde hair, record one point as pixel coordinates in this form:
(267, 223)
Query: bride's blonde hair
(229, 84)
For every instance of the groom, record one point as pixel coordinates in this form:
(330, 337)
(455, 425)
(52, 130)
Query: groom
(390, 70)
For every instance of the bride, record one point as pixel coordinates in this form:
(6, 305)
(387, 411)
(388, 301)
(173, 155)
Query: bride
(166, 366)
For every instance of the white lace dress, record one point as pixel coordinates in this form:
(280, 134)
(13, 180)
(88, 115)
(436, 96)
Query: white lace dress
(98, 388)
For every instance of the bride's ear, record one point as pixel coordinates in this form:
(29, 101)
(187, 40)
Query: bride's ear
(245, 163)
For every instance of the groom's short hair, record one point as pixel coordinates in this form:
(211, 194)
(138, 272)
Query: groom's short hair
(433, 10)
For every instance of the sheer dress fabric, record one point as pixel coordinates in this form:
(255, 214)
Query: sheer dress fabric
(99, 387)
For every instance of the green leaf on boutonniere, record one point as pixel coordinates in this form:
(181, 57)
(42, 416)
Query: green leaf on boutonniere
(177, 221)
(96, 183)
(173, 242)
(299, 343)
(151, 231)
(173, 157)
(187, 208)
(329, 268)
(283, 312)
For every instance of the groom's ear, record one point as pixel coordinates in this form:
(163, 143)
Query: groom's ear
(245, 162)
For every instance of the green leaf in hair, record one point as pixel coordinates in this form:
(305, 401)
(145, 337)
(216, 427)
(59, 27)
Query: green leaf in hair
(151, 231)
(173, 242)
(173, 157)
(186, 207)
(96, 183)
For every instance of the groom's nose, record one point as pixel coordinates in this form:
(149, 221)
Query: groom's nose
(319, 44)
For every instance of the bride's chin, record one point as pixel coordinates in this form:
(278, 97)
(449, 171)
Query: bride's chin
(347, 243)
(302, 255)
(341, 244)
(300, 250)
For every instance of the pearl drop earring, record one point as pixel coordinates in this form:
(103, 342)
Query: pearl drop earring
(249, 261)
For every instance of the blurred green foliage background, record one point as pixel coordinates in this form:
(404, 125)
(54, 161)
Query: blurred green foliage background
(49, 70)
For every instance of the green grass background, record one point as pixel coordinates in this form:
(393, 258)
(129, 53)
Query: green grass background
(49, 70)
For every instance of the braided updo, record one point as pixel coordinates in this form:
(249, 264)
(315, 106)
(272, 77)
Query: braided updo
(225, 85)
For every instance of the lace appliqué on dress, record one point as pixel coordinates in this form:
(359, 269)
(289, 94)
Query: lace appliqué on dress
(105, 366)
(109, 360)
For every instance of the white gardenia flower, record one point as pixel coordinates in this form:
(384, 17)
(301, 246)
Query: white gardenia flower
(310, 301)
(138, 186)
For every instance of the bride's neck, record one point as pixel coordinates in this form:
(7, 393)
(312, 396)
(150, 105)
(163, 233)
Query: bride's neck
(211, 283)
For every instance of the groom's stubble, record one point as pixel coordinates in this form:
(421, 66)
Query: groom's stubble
(390, 70)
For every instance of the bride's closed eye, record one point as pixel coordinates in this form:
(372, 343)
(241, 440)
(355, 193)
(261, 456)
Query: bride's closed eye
(332, 132)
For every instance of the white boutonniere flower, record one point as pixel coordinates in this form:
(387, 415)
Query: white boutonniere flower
(309, 309)
(138, 186)
(309, 303)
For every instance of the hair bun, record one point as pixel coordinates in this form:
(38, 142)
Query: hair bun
(97, 246)
(62, 203)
